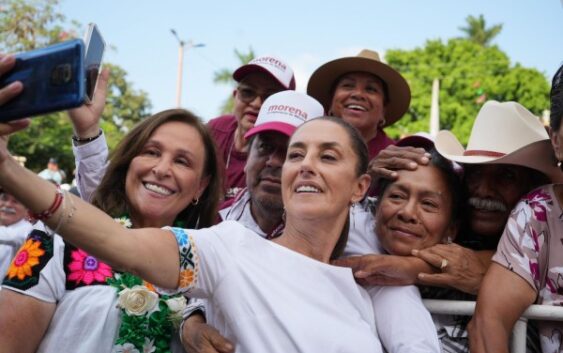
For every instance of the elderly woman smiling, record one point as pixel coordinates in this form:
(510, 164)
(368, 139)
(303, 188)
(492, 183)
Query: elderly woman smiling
(266, 291)
(420, 208)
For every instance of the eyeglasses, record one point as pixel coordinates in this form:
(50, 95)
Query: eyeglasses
(248, 94)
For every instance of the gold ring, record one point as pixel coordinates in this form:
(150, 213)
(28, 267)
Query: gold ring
(444, 264)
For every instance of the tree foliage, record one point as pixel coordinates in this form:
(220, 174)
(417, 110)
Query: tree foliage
(225, 76)
(478, 32)
(29, 24)
(469, 74)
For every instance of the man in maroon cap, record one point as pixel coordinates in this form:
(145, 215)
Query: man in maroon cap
(257, 80)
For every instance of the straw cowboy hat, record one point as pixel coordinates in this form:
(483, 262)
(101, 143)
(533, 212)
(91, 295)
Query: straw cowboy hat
(503, 133)
(321, 84)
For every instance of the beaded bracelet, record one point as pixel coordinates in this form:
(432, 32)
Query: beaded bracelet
(43, 216)
(86, 139)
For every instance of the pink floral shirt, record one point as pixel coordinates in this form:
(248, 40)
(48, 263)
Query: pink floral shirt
(532, 247)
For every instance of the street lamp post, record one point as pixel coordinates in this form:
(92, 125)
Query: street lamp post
(182, 45)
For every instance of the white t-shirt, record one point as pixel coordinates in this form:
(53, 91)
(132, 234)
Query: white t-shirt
(272, 299)
(11, 238)
(404, 324)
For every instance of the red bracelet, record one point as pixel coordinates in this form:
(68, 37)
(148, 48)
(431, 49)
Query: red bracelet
(43, 216)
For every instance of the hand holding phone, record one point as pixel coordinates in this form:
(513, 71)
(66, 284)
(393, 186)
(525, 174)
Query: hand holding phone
(86, 118)
(95, 48)
(58, 77)
(7, 62)
(53, 79)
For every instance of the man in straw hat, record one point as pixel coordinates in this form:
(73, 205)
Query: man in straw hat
(363, 91)
(260, 208)
(527, 267)
(256, 81)
(508, 154)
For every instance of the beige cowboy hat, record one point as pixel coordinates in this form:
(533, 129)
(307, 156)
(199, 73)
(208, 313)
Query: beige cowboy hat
(503, 133)
(322, 81)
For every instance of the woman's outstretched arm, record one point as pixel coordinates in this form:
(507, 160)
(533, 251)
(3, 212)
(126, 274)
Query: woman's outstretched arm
(150, 253)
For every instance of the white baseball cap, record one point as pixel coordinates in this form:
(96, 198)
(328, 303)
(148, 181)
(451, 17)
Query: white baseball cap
(284, 112)
(276, 68)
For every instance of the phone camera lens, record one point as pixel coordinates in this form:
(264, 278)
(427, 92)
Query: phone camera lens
(61, 74)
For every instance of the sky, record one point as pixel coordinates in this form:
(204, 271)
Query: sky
(304, 33)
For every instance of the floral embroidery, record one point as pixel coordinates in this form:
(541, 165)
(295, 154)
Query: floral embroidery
(125, 348)
(188, 259)
(186, 278)
(138, 300)
(124, 221)
(148, 347)
(147, 319)
(87, 269)
(27, 257)
(30, 259)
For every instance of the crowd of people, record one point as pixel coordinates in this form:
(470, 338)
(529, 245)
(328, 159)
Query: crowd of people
(294, 224)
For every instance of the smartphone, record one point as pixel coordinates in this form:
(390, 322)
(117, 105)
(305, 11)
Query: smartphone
(53, 79)
(95, 47)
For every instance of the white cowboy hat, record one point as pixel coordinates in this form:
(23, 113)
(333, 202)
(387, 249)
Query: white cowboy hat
(503, 133)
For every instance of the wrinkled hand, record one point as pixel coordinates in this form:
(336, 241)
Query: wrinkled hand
(7, 62)
(393, 158)
(384, 270)
(464, 270)
(86, 118)
(198, 337)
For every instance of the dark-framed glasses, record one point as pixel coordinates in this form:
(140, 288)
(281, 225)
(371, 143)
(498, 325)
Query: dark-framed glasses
(248, 94)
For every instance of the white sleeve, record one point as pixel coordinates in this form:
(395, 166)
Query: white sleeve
(402, 321)
(361, 235)
(194, 305)
(91, 163)
(11, 239)
(205, 256)
(46, 279)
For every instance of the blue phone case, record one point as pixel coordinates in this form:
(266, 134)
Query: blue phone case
(53, 79)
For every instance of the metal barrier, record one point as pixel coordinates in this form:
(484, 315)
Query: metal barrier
(518, 343)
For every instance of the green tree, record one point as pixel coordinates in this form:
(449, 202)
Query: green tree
(469, 74)
(28, 24)
(478, 32)
(225, 76)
